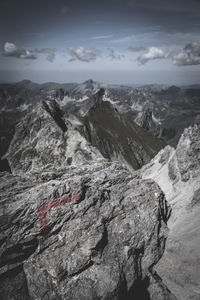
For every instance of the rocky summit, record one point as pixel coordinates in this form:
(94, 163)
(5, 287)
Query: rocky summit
(47, 139)
(73, 224)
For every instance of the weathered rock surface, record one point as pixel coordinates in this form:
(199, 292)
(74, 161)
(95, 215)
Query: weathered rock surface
(45, 139)
(17, 99)
(101, 246)
(73, 225)
(177, 171)
(49, 137)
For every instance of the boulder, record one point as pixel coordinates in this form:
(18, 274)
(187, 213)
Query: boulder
(93, 232)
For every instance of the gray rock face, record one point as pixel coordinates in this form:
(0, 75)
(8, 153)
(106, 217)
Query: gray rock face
(146, 120)
(73, 225)
(196, 198)
(188, 153)
(177, 171)
(92, 232)
(18, 98)
(47, 139)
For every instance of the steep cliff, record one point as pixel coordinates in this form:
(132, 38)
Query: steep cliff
(177, 171)
(118, 137)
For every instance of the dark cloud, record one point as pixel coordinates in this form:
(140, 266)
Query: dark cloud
(83, 54)
(11, 49)
(137, 49)
(51, 53)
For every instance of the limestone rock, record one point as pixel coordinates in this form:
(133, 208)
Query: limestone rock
(92, 232)
(177, 171)
(73, 225)
(45, 139)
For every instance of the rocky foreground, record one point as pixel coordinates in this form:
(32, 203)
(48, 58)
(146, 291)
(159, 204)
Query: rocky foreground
(101, 245)
(73, 225)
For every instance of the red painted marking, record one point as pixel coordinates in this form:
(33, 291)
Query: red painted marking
(42, 210)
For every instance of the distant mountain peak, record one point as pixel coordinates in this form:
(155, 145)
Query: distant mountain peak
(89, 81)
(25, 81)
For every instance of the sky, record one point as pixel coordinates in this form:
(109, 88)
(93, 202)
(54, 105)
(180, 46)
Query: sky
(112, 41)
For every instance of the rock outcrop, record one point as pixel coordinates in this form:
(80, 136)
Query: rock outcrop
(47, 139)
(73, 225)
(92, 232)
(177, 171)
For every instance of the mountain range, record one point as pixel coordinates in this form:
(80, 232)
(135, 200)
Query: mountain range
(130, 159)
(163, 110)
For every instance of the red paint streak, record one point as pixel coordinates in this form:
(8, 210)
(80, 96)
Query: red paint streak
(42, 210)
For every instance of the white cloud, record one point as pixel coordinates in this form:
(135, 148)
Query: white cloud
(151, 54)
(11, 49)
(189, 55)
(51, 53)
(126, 39)
(101, 37)
(83, 54)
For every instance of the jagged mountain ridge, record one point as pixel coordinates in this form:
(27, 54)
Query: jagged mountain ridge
(164, 111)
(115, 136)
(16, 100)
(47, 138)
(102, 245)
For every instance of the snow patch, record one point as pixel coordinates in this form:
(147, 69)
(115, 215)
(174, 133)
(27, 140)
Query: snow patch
(156, 120)
(66, 100)
(82, 99)
(136, 106)
(106, 98)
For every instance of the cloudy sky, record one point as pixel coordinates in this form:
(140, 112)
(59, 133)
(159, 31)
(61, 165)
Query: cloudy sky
(114, 41)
